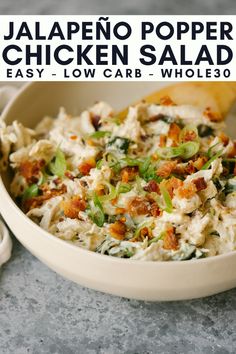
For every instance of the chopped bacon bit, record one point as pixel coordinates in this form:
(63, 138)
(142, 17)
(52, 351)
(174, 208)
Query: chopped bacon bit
(152, 186)
(166, 169)
(100, 189)
(200, 183)
(117, 230)
(180, 170)
(129, 173)
(155, 210)
(170, 240)
(224, 138)
(90, 142)
(73, 137)
(156, 117)
(186, 191)
(114, 201)
(86, 166)
(47, 194)
(30, 170)
(57, 181)
(212, 116)
(145, 232)
(232, 153)
(69, 175)
(185, 170)
(95, 119)
(47, 191)
(144, 137)
(120, 211)
(155, 157)
(162, 141)
(166, 101)
(174, 132)
(173, 184)
(190, 168)
(72, 207)
(174, 144)
(200, 162)
(138, 206)
(190, 135)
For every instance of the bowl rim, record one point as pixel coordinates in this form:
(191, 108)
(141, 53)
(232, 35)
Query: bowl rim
(37, 229)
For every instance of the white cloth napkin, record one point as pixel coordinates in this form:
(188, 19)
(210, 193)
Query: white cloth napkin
(7, 92)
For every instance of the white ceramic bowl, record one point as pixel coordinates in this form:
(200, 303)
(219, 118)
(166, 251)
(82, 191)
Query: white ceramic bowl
(134, 279)
(5, 244)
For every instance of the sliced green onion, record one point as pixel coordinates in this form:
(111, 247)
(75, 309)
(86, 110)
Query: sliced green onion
(210, 150)
(42, 179)
(151, 174)
(169, 152)
(123, 188)
(113, 163)
(213, 158)
(185, 150)
(167, 199)
(189, 149)
(100, 134)
(111, 195)
(99, 164)
(155, 239)
(96, 213)
(131, 162)
(139, 186)
(145, 165)
(31, 192)
(58, 165)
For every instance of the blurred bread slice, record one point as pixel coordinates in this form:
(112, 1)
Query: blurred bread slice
(216, 97)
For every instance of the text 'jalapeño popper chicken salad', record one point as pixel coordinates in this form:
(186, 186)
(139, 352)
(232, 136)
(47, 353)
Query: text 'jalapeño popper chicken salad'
(158, 185)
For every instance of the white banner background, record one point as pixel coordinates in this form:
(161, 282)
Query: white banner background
(134, 70)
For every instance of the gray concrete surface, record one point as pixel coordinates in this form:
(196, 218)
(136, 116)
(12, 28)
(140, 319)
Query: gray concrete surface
(40, 312)
(115, 7)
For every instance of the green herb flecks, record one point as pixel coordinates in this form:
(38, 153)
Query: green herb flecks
(120, 144)
(204, 130)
